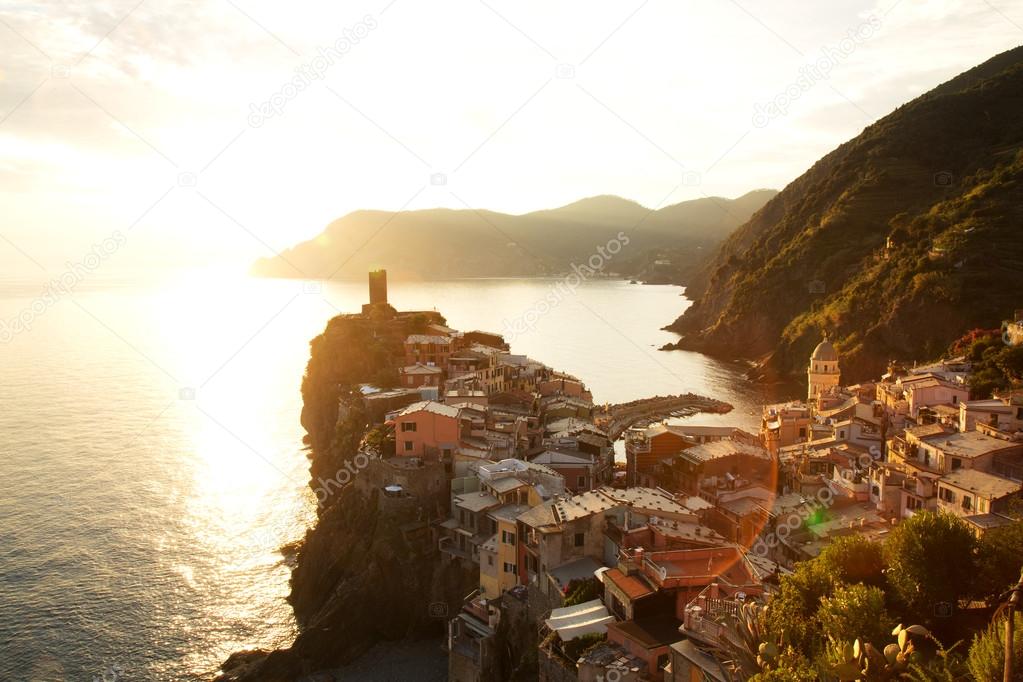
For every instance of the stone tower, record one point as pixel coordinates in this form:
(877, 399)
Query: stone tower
(823, 372)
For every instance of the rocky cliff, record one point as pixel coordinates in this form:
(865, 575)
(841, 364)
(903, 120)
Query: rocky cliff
(365, 573)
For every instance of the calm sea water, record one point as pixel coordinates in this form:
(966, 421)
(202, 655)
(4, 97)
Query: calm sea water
(151, 461)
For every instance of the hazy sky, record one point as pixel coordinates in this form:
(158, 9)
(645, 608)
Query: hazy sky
(220, 130)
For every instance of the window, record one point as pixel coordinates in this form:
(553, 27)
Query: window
(509, 568)
(956, 463)
(580, 539)
(507, 538)
(802, 432)
(408, 426)
(967, 502)
(490, 559)
(948, 495)
(409, 445)
(581, 481)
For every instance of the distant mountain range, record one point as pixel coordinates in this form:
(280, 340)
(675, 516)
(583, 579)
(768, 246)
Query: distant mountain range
(895, 243)
(663, 245)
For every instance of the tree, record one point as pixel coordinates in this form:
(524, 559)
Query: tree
(855, 612)
(999, 559)
(987, 653)
(930, 561)
(792, 611)
(854, 559)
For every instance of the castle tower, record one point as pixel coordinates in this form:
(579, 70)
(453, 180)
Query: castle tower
(377, 287)
(823, 372)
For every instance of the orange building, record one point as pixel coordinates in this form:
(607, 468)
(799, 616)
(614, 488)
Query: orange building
(645, 448)
(427, 429)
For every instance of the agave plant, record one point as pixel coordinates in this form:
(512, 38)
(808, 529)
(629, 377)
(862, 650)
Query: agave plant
(863, 662)
(746, 645)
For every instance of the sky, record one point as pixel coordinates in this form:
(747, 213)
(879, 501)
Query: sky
(212, 132)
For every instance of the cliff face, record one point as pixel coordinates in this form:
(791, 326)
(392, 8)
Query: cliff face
(896, 243)
(366, 572)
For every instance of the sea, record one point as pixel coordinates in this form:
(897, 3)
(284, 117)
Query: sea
(151, 455)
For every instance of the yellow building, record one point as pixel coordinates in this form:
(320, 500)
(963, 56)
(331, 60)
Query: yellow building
(499, 568)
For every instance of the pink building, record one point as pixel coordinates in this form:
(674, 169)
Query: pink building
(928, 391)
(427, 429)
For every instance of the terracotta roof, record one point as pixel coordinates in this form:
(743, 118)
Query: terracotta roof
(633, 587)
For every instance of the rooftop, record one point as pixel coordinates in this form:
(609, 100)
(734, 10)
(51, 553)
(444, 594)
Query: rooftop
(988, 521)
(980, 483)
(582, 505)
(476, 501)
(646, 498)
(505, 484)
(722, 448)
(578, 569)
(420, 368)
(539, 516)
(430, 406)
(633, 587)
(509, 512)
(967, 444)
(428, 338)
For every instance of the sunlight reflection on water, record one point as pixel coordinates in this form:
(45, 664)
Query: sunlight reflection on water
(153, 461)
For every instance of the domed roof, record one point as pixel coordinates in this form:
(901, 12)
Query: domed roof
(825, 352)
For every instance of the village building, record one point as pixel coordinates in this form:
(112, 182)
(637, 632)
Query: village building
(427, 429)
(428, 349)
(823, 372)
(968, 492)
(933, 458)
(1004, 413)
(713, 468)
(785, 424)
(417, 375)
(651, 592)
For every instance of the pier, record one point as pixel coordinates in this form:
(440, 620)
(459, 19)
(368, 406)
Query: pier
(616, 418)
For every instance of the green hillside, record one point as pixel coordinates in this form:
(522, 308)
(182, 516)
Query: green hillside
(896, 243)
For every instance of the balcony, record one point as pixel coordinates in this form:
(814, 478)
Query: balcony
(704, 615)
